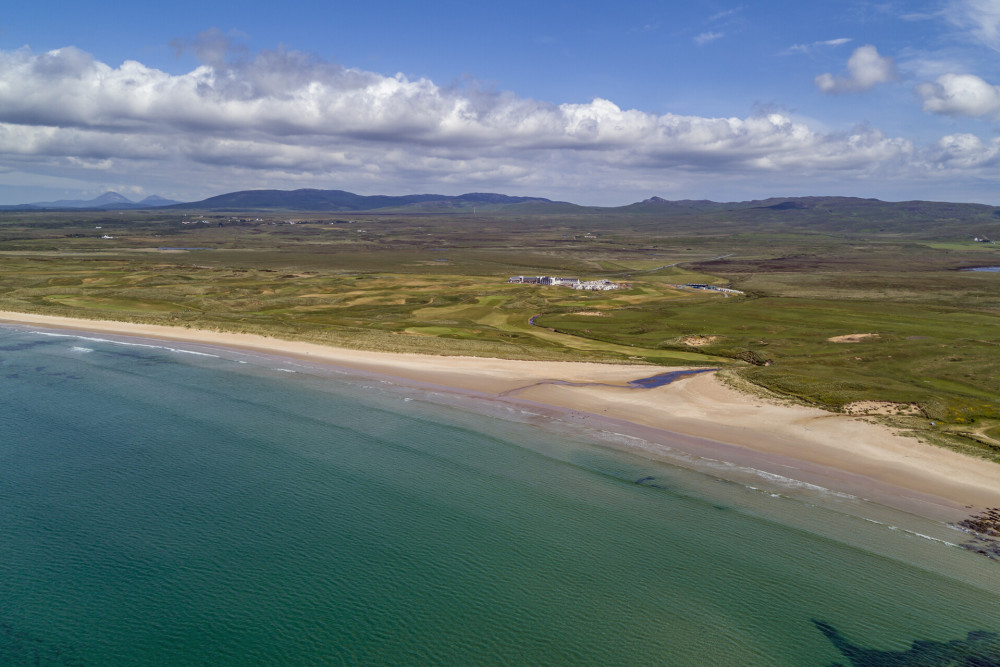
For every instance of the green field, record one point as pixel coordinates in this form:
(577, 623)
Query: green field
(438, 284)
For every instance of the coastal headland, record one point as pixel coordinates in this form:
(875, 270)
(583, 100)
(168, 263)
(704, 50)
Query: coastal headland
(699, 415)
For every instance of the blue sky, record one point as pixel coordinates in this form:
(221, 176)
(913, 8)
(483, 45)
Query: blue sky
(596, 103)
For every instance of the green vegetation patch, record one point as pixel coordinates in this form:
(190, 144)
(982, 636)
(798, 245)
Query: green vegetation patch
(840, 303)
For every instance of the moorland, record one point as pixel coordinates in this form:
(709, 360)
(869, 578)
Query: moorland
(850, 305)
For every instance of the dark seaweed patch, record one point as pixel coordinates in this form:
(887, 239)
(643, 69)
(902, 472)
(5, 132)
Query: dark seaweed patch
(985, 531)
(648, 481)
(20, 647)
(978, 649)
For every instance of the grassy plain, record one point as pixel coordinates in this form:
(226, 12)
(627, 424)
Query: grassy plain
(436, 283)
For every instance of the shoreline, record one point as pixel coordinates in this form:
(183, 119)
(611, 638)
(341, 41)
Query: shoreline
(696, 415)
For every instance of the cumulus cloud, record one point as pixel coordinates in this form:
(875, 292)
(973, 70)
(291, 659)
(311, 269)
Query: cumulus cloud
(966, 151)
(282, 118)
(865, 69)
(960, 95)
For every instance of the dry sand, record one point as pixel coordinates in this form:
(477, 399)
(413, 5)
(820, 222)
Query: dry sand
(699, 415)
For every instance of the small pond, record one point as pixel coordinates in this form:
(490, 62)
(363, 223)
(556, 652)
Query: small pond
(991, 269)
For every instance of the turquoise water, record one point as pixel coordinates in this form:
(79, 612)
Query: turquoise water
(163, 507)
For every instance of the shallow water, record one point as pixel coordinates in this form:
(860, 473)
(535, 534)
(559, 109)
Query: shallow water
(167, 505)
(663, 379)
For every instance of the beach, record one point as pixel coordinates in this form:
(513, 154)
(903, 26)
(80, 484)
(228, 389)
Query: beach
(698, 415)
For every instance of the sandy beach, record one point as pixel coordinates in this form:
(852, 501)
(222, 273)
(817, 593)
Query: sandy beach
(699, 415)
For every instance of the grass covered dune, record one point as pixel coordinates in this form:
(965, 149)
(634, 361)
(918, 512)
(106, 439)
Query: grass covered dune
(701, 415)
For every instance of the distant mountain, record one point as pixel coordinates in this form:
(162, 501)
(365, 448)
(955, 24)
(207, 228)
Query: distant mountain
(659, 205)
(107, 201)
(340, 200)
(810, 205)
(842, 215)
(833, 215)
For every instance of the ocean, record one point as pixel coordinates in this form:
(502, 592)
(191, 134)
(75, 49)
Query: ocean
(187, 505)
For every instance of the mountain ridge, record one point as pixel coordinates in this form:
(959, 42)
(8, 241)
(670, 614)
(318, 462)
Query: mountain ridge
(109, 200)
(312, 199)
(654, 207)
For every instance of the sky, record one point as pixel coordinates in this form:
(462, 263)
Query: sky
(591, 102)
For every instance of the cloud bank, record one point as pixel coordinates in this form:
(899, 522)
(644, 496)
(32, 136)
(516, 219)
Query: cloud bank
(284, 119)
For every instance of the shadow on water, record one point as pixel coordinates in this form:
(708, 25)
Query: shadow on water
(978, 649)
(20, 347)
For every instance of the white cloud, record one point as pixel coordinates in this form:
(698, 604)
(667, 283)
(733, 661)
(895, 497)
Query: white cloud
(725, 22)
(960, 95)
(284, 119)
(980, 17)
(865, 68)
(91, 164)
(64, 100)
(726, 14)
(966, 151)
(708, 37)
(808, 48)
